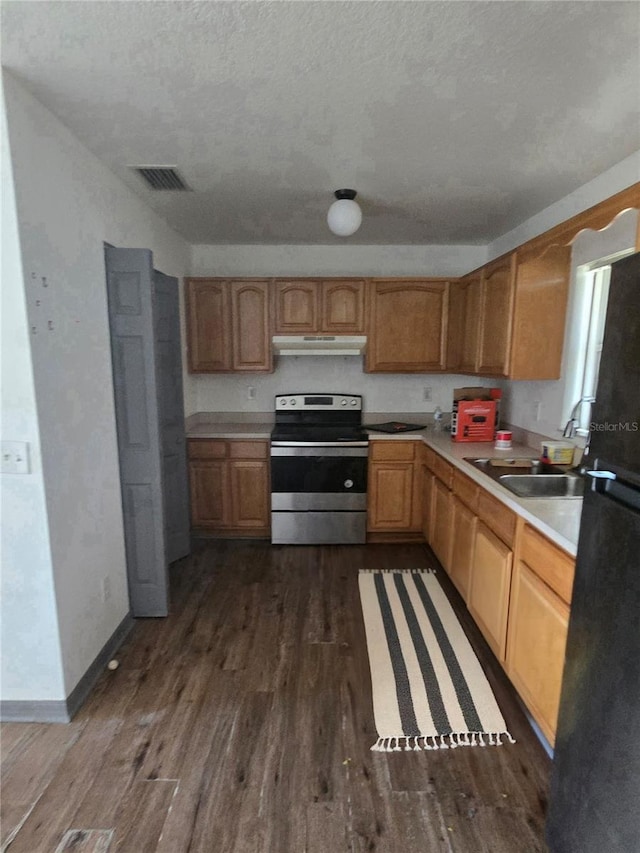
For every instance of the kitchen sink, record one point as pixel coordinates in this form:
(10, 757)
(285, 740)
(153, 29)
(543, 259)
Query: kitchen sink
(497, 467)
(544, 485)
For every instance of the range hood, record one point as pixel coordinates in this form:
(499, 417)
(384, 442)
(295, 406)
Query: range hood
(319, 344)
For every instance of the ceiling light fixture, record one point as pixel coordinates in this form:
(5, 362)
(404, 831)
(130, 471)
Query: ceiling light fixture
(344, 216)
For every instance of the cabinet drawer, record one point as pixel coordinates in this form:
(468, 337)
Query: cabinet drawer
(429, 458)
(206, 448)
(392, 451)
(466, 490)
(553, 566)
(443, 470)
(497, 517)
(248, 449)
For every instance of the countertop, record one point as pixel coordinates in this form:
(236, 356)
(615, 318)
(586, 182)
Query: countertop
(557, 518)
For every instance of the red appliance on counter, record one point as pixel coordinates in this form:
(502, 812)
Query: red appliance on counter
(475, 413)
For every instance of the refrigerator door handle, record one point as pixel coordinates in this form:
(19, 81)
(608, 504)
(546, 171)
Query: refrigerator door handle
(601, 475)
(611, 487)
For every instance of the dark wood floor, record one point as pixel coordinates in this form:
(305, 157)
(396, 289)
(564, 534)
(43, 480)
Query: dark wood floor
(243, 724)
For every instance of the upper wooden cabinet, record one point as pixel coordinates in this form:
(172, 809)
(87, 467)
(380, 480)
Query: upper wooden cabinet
(208, 310)
(496, 302)
(311, 307)
(407, 325)
(521, 314)
(539, 313)
(464, 324)
(228, 326)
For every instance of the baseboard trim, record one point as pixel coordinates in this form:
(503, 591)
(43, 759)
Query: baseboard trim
(37, 711)
(63, 711)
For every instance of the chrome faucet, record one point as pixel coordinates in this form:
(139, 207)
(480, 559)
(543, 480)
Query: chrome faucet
(569, 430)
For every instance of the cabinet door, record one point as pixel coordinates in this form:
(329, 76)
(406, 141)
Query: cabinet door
(464, 526)
(342, 307)
(538, 622)
(542, 288)
(428, 479)
(464, 324)
(297, 307)
(407, 326)
(470, 325)
(442, 518)
(208, 326)
(496, 304)
(389, 496)
(210, 504)
(489, 588)
(249, 494)
(251, 331)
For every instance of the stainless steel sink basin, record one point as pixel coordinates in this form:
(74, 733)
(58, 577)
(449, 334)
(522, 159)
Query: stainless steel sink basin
(496, 467)
(543, 485)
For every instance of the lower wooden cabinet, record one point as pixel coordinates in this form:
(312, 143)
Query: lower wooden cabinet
(229, 487)
(393, 500)
(464, 524)
(441, 538)
(428, 478)
(489, 588)
(538, 623)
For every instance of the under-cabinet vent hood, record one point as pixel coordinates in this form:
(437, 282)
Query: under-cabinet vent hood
(319, 344)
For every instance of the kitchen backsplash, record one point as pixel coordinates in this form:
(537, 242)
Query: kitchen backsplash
(381, 392)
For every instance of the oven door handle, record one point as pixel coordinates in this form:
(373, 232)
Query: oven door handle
(319, 444)
(325, 451)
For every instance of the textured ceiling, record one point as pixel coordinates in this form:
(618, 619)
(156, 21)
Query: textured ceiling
(454, 121)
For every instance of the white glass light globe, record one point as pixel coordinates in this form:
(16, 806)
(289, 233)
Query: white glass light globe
(344, 217)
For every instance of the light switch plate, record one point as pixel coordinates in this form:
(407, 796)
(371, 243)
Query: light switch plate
(15, 457)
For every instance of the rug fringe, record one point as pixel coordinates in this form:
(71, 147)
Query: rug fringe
(397, 571)
(450, 741)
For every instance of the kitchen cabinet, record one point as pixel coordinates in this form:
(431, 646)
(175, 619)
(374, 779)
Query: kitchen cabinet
(538, 624)
(464, 524)
(228, 325)
(464, 324)
(311, 307)
(539, 313)
(496, 303)
(441, 537)
(407, 330)
(428, 479)
(522, 312)
(489, 588)
(393, 499)
(229, 486)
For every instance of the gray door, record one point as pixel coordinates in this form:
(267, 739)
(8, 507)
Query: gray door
(171, 414)
(131, 320)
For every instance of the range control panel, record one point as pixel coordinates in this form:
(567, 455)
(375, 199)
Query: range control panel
(319, 402)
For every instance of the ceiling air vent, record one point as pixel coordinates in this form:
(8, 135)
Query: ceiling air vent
(162, 177)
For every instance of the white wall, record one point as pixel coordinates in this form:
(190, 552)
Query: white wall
(68, 203)
(618, 178)
(349, 259)
(334, 374)
(31, 665)
(557, 398)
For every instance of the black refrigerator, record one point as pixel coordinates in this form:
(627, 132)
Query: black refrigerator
(594, 804)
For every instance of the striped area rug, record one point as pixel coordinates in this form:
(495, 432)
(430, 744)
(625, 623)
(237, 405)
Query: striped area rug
(429, 690)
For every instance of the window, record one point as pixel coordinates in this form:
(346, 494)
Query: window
(593, 295)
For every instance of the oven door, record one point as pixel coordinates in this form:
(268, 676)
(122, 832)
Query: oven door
(318, 494)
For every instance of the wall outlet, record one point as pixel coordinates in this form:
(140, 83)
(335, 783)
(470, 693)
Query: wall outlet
(251, 392)
(427, 392)
(15, 457)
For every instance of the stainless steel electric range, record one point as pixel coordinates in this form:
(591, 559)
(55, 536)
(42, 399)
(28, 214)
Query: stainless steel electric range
(318, 470)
